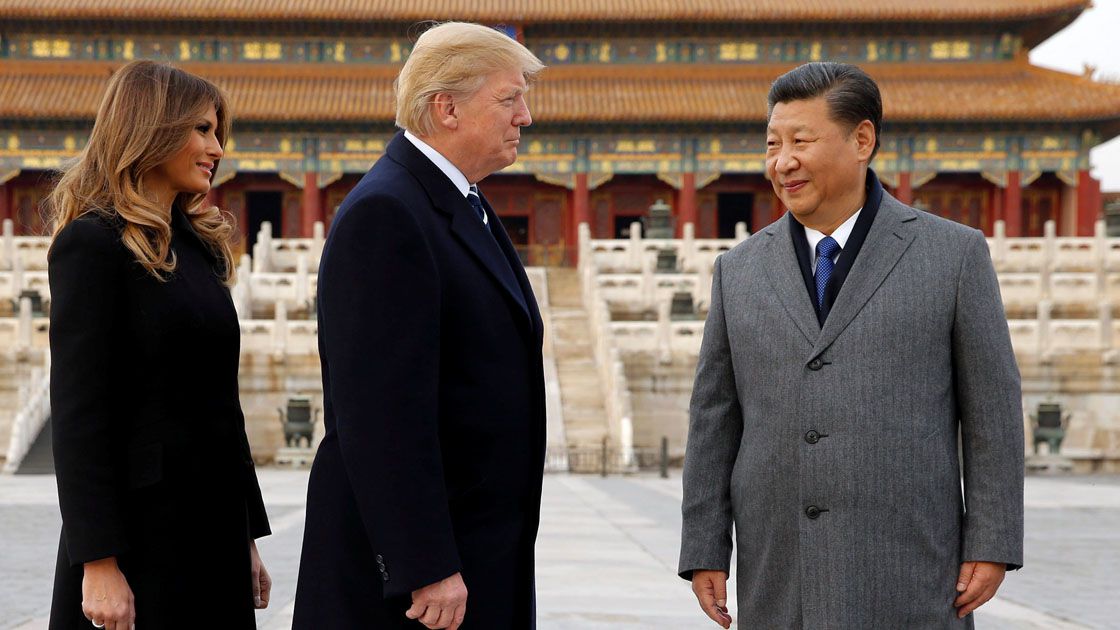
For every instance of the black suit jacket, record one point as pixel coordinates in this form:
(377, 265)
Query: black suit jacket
(433, 385)
(152, 461)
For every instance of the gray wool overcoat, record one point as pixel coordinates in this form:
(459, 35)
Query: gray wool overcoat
(834, 451)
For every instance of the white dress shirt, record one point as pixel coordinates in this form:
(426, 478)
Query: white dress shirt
(840, 235)
(443, 164)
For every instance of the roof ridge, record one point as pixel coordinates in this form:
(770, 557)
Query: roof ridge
(543, 10)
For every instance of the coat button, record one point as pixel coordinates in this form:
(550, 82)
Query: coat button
(379, 558)
(816, 364)
(812, 511)
(385, 576)
(812, 437)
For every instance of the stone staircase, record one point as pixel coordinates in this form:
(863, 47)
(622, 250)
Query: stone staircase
(40, 459)
(585, 417)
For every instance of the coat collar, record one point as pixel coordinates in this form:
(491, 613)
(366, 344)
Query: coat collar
(889, 236)
(483, 244)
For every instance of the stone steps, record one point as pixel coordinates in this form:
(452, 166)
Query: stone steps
(585, 417)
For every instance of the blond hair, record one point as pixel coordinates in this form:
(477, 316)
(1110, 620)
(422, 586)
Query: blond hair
(454, 58)
(145, 117)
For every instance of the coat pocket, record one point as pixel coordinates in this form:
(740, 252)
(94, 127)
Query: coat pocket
(145, 465)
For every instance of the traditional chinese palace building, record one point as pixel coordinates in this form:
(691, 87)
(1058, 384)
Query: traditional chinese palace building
(642, 100)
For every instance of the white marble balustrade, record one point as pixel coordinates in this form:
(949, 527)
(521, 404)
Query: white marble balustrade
(279, 337)
(274, 255)
(635, 254)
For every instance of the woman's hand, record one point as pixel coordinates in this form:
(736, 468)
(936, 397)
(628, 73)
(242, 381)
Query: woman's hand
(262, 582)
(106, 597)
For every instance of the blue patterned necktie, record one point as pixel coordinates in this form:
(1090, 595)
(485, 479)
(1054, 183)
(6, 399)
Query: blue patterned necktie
(825, 250)
(476, 203)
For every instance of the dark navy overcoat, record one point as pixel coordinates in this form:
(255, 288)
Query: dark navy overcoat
(430, 341)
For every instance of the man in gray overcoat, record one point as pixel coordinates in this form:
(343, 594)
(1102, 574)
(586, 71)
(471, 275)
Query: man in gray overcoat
(846, 347)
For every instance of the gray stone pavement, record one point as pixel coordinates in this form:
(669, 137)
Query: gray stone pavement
(607, 554)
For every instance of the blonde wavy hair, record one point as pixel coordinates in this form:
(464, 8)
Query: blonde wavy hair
(145, 117)
(454, 58)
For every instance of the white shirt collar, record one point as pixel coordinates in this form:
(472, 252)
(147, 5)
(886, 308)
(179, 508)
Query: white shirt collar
(840, 235)
(454, 174)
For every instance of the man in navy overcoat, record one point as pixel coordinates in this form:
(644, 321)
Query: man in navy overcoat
(424, 497)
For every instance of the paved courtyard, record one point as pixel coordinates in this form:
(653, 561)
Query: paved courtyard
(607, 554)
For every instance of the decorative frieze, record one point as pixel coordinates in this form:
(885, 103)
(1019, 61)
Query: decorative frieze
(768, 50)
(376, 50)
(552, 50)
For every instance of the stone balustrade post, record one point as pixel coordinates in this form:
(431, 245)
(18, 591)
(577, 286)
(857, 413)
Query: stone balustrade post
(280, 330)
(258, 257)
(636, 252)
(1104, 315)
(626, 441)
(264, 239)
(318, 239)
(303, 282)
(688, 247)
(583, 233)
(649, 284)
(243, 290)
(23, 344)
(1100, 244)
(999, 244)
(1044, 309)
(1049, 245)
(9, 252)
(741, 232)
(664, 333)
(1049, 250)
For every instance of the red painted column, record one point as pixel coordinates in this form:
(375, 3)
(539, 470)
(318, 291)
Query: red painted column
(1088, 203)
(905, 193)
(581, 207)
(1013, 204)
(312, 206)
(688, 212)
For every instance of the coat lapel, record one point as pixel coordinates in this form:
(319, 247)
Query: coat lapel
(784, 274)
(887, 241)
(477, 238)
(506, 245)
(465, 224)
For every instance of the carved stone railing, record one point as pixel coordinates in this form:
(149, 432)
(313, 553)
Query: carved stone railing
(272, 254)
(1052, 253)
(35, 409)
(612, 373)
(664, 337)
(635, 254)
(296, 290)
(279, 337)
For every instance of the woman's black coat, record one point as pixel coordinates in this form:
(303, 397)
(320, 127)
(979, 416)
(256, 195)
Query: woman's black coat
(152, 461)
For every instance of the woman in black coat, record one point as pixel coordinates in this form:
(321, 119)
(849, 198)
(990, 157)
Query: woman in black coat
(160, 501)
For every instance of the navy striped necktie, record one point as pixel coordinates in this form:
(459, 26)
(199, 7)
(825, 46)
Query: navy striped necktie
(476, 203)
(826, 248)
